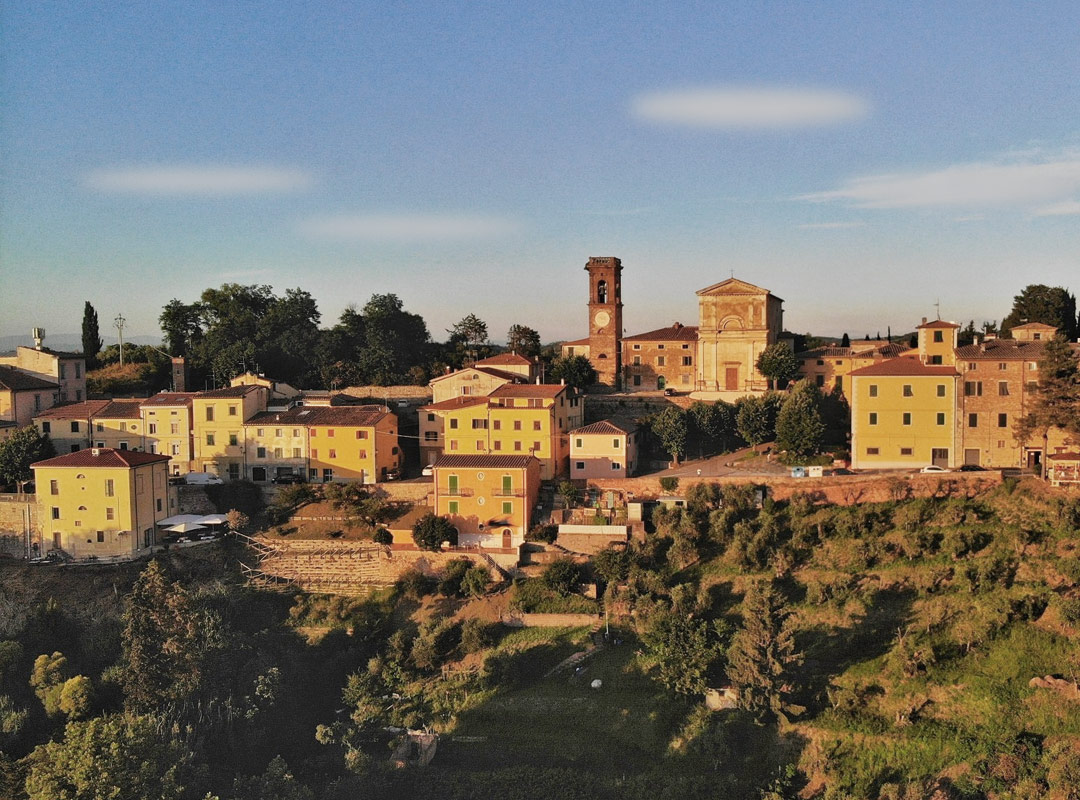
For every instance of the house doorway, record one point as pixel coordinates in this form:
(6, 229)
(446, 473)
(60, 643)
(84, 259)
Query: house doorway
(507, 539)
(971, 457)
(939, 456)
(731, 379)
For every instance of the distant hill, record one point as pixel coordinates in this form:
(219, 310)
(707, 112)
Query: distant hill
(71, 342)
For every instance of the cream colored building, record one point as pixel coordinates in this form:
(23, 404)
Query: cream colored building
(119, 426)
(606, 449)
(167, 423)
(475, 381)
(68, 370)
(23, 396)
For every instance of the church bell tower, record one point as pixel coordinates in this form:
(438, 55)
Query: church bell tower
(605, 319)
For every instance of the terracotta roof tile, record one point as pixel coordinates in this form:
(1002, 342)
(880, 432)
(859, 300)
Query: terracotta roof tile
(505, 358)
(906, 366)
(120, 409)
(16, 380)
(346, 416)
(576, 342)
(103, 457)
(228, 391)
(1001, 349)
(169, 399)
(938, 323)
(606, 427)
(676, 333)
(464, 401)
(451, 461)
(529, 390)
(83, 410)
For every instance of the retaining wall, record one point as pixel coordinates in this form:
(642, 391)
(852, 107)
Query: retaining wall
(13, 520)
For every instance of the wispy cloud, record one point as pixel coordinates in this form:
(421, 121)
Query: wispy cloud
(974, 184)
(197, 180)
(407, 227)
(828, 226)
(1065, 208)
(969, 218)
(749, 108)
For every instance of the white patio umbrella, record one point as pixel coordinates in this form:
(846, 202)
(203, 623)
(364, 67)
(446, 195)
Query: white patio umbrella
(180, 519)
(186, 527)
(211, 519)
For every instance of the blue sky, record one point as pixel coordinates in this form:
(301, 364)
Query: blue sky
(861, 160)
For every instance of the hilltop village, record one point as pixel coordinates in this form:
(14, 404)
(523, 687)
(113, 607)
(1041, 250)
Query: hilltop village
(704, 560)
(489, 437)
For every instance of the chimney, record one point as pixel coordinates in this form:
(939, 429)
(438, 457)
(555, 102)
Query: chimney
(39, 337)
(924, 320)
(95, 452)
(975, 339)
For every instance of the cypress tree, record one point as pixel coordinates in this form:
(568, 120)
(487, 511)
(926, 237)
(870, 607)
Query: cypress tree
(91, 336)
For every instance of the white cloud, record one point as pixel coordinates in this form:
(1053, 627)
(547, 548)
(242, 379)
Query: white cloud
(828, 226)
(197, 180)
(407, 227)
(1065, 208)
(974, 184)
(749, 108)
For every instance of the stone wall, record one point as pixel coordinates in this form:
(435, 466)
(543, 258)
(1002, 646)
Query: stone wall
(13, 511)
(839, 489)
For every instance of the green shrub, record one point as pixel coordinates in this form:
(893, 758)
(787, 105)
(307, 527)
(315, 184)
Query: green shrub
(543, 533)
(1070, 609)
(669, 483)
(562, 576)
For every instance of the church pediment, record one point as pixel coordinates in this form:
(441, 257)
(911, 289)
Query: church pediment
(731, 286)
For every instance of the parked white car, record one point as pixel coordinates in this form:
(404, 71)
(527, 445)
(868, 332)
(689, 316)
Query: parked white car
(202, 479)
(428, 471)
(933, 468)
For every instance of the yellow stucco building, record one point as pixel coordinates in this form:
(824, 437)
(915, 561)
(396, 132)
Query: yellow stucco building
(323, 443)
(101, 502)
(118, 426)
(606, 449)
(529, 419)
(218, 427)
(167, 426)
(488, 498)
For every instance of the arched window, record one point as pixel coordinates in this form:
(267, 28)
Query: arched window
(601, 292)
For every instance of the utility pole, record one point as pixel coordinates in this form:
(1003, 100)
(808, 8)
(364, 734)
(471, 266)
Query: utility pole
(119, 324)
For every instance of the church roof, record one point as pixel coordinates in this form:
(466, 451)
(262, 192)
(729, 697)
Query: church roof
(677, 332)
(735, 286)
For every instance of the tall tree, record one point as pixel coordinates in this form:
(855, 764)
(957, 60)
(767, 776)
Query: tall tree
(755, 417)
(762, 655)
(470, 330)
(20, 450)
(180, 324)
(1051, 305)
(686, 651)
(845, 341)
(1056, 403)
(778, 363)
(91, 336)
(671, 429)
(799, 425)
(523, 340)
(430, 531)
(576, 371)
(706, 424)
(395, 341)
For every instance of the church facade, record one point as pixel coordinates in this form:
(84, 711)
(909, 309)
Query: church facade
(715, 359)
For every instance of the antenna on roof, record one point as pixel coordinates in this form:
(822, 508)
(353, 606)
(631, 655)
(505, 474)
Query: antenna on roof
(937, 306)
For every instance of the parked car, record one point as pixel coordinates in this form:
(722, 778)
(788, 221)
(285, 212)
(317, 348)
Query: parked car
(428, 471)
(392, 475)
(289, 479)
(402, 403)
(972, 468)
(932, 469)
(202, 479)
(842, 471)
(668, 391)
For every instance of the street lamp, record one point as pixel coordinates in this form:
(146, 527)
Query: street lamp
(119, 325)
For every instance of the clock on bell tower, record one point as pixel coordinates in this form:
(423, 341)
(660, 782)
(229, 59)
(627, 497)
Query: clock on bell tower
(605, 319)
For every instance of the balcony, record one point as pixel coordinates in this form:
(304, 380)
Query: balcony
(456, 492)
(508, 493)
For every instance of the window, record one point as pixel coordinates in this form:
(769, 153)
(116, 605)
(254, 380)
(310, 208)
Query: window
(74, 427)
(209, 413)
(615, 444)
(873, 418)
(941, 390)
(496, 424)
(939, 336)
(496, 445)
(479, 424)
(517, 424)
(871, 451)
(873, 390)
(330, 433)
(839, 383)
(296, 453)
(972, 365)
(277, 432)
(333, 453)
(453, 424)
(232, 411)
(153, 427)
(908, 391)
(1003, 365)
(260, 452)
(536, 447)
(821, 362)
(659, 361)
(508, 507)
(258, 431)
(637, 361)
(37, 402)
(615, 465)
(99, 426)
(941, 418)
(637, 380)
(453, 444)
(174, 427)
(159, 504)
(973, 420)
(431, 436)
(579, 465)
(78, 370)
(973, 388)
(907, 417)
(820, 380)
(935, 359)
(313, 432)
(54, 487)
(63, 371)
(110, 488)
(175, 449)
(110, 513)
(517, 445)
(479, 445)
(686, 347)
(46, 427)
(277, 452)
(1003, 420)
(907, 451)
(536, 425)
(55, 512)
(452, 507)
(101, 536)
(233, 439)
(1003, 388)
(659, 347)
(577, 443)
(687, 361)
(314, 453)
